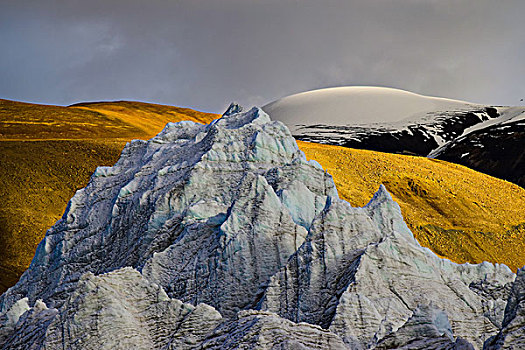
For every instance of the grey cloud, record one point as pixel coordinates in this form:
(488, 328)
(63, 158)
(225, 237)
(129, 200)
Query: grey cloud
(203, 54)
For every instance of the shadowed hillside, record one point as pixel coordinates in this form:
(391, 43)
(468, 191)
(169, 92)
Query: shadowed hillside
(48, 152)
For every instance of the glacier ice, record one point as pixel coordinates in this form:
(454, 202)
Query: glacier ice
(512, 333)
(225, 236)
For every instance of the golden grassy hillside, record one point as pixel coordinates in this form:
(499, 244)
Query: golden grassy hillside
(100, 121)
(457, 212)
(48, 152)
(36, 182)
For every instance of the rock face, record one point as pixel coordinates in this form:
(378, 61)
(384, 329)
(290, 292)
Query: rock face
(496, 147)
(420, 135)
(224, 236)
(120, 309)
(265, 330)
(364, 286)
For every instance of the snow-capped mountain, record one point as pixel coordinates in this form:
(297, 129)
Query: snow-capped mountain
(489, 139)
(224, 236)
(495, 147)
(378, 119)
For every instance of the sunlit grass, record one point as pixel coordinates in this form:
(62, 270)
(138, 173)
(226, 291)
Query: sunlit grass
(459, 213)
(49, 152)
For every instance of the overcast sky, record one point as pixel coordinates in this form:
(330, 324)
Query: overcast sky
(204, 54)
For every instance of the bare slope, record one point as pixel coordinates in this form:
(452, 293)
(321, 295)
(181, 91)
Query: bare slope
(495, 147)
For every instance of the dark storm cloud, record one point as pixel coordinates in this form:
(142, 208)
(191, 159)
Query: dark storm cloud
(204, 54)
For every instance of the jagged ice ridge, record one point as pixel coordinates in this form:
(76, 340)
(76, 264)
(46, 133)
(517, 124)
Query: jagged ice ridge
(225, 236)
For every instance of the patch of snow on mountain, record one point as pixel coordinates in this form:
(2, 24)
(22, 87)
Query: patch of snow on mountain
(356, 105)
(507, 115)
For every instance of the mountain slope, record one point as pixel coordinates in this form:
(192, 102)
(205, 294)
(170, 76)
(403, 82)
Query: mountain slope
(37, 180)
(485, 138)
(495, 147)
(230, 217)
(120, 120)
(49, 152)
(458, 213)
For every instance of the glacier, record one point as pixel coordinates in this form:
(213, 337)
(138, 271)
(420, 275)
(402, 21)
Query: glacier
(225, 236)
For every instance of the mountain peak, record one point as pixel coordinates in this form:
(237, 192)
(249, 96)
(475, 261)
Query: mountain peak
(217, 236)
(233, 108)
(348, 105)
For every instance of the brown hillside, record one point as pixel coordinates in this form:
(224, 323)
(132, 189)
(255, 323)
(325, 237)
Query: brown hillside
(48, 152)
(92, 121)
